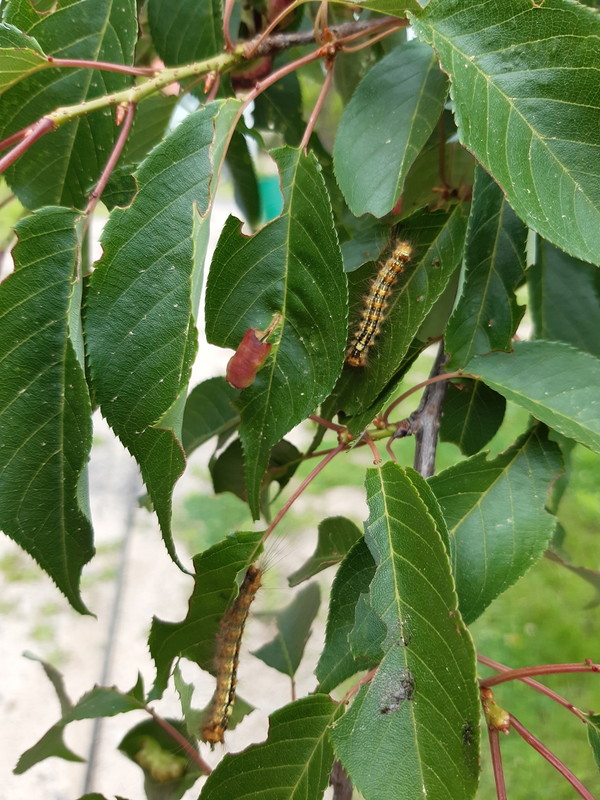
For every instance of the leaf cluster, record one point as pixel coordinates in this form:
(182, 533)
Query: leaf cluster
(475, 142)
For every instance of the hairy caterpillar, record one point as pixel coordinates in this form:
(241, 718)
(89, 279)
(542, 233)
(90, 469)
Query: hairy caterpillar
(376, 302)
(229, 640)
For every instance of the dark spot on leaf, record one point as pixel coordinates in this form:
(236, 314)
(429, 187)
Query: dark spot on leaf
(467, 734)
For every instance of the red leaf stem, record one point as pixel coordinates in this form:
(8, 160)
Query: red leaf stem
(106, 66)
(318, 105)
(327, 423)
(541, 669)
(35, 132)
(541, 748)
(496, 754)
(182, 741)
(308, 480)
(445, 377)
(539, 687)
(15, 137)
(112, 160)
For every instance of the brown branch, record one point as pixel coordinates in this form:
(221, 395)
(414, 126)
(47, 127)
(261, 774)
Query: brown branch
(425, 421)
(274, 23)
(220, 64)
(342, 788)
(282, 41)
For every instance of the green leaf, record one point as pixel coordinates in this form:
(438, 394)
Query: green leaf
(169, 771)
(487, 314)
(420, 710)
(45, 426)
(565, 299)
(227, 471)
(367, 635)
(214, 589)
(97, 796)
(437, 239)
(57, 681)
(101, 701)
(472, 414)
(209, 412)
(285, 651)
(228, 475)
(369, 237)
(421, 187)
(524, 73)
(20, 55)
(186, 31)
(293, 764)
(384, 126)
(496, 516)
(120, 189)
(143, 297)
(350, 68)
(385, 6)
(557, 384)
(337, 662)
(291, 267)
(335, 538)
(245, 184)
(434, 325)
(150, 124)
(279, 108)
(58, 169)
(593, 732)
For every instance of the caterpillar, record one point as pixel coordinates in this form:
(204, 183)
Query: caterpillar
(229, 640)
(376, 302)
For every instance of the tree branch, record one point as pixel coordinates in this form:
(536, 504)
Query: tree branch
(342, 788)
(346, 30)
(224, 62)
(425, 421)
